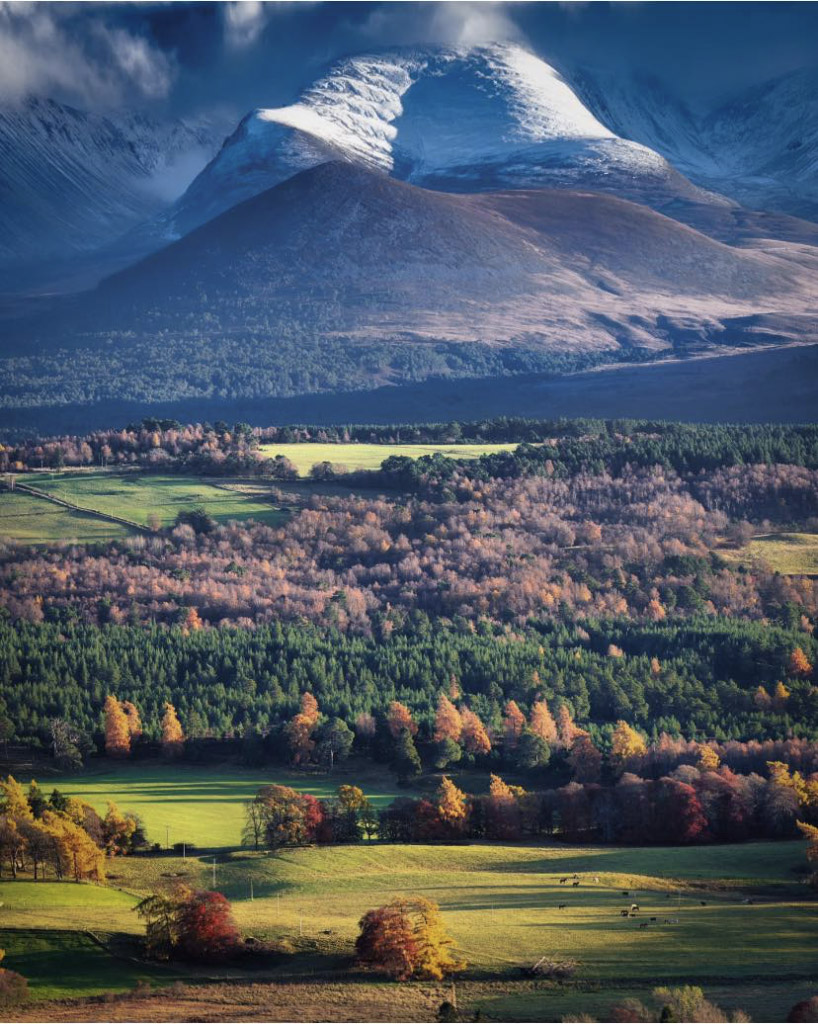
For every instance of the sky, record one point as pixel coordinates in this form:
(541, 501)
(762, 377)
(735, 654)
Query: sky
(187, 58)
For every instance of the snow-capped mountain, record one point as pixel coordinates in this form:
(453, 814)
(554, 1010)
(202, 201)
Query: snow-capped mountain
(452, 119)
(71, 181)
(760, 148)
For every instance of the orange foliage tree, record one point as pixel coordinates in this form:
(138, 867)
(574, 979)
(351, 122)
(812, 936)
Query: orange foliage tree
(513, 725)
(117, 729)
(300, 728)
(398, 718)
(475, 738)
(173, 738)
(407, 939)
(448, 722)
(542, 723)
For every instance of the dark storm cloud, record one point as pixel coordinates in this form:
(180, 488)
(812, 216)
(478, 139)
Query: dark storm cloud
(194, 56)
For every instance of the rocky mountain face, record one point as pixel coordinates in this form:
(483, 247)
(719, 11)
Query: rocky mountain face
(72, 181)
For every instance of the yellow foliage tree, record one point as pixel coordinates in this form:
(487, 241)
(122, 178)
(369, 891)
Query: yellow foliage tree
(173, 738)
(810, 833)
(13, 800)
(78, 854)
(134, 721)
(626, 743)
(566, 730)
(708, 759)
(117, 729)
(780, 696)
(542, 723)
(451, 803)
(407, 939)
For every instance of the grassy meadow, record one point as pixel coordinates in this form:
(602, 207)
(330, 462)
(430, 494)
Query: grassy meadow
(787, 553)
(31, 520)
(370, 456)
(500, 902)
(203, 805)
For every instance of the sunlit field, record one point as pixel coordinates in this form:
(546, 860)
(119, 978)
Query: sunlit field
(202, 805)
(31, 520)
(501, 902)
(370, 456)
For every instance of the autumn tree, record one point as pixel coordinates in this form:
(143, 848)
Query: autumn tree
(13, 986)
(192, 924)
(626, 743)
(117, 729)
(300, 728)
(134, 721)
(810, 833)
(118, 830)
(542, 723)
(513, 725)
(474, 736)
(448, 721)
(585, 759)
(173, 738)
(452, 806)
(566, 730)
(398, 718)
(708, 760)
(799, 664)
(407, 939)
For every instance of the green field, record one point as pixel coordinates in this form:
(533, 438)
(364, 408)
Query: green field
(202, 805)
(370, 456)
(31, 520)
(500, 902)
(136, 497)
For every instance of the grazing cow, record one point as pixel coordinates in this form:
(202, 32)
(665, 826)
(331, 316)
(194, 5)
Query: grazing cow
(624, 913)
(596, 879)
(575, 884)
(644, 924)
(653, 919)
(563, 881)
(625, 892)
(634, 906)
(562, 906)
(703, 902)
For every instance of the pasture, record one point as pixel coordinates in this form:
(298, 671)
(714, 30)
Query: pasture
(370, 456)
(203, 805)
(787, 553)
(31, 520)
(501, 903)
(137, 497)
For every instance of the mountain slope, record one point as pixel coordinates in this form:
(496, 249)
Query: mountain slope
(71, 181)
(371, 279)
(760, 148)
(458, 120)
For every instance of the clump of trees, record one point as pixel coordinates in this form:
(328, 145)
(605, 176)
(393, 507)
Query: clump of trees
(189, 924)
(686, 1004)
(278, 816)
(62, 834)
(407, 939)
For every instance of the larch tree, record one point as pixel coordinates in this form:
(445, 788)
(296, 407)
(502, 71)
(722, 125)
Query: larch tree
(173, 738)
(398, 718)
(448, 721)
(300, 728)
(475, 737)
(585, 759)
(117, 729)
(513, 725)
(542, 723)
(566, 730)
(134, 721)
(626, 743)
(452, 806)
(799, 664)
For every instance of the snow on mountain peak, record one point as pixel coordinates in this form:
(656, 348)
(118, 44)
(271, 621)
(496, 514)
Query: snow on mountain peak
(457, 119)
